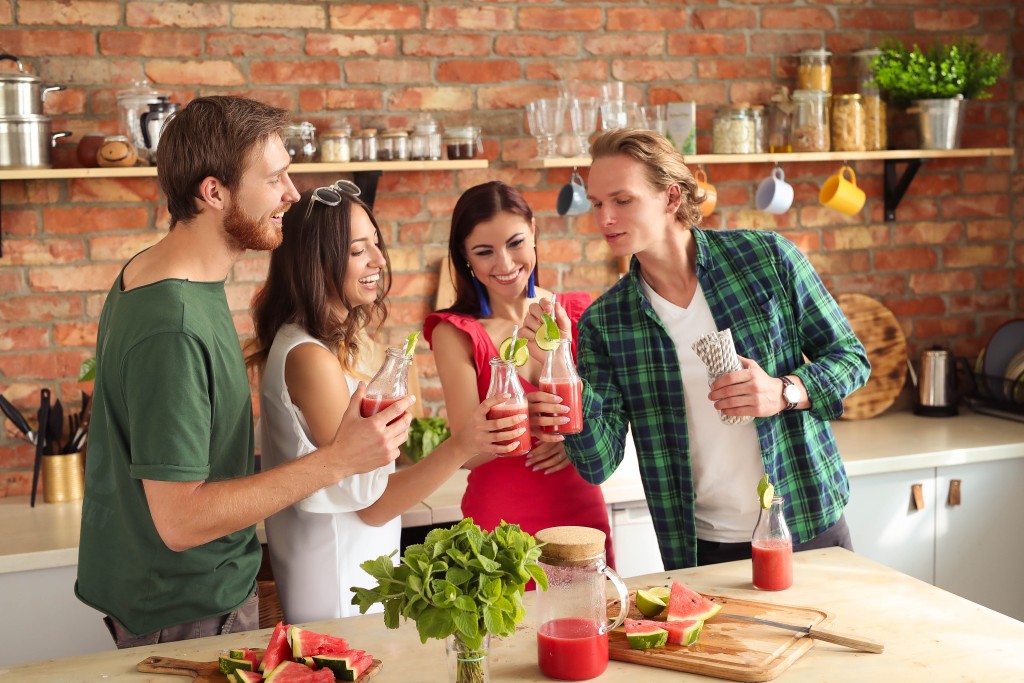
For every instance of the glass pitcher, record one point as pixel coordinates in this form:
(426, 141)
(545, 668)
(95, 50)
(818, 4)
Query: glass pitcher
(559, 377)
(505, 380)
(572, 614)
(390, 384)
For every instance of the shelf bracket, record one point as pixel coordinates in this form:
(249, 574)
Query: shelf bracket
(367, 182)
(895, 187)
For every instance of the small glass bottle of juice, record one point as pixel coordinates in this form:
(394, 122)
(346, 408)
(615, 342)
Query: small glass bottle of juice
(505, 380)
(772, 548)
(390, 384)
(559, 377)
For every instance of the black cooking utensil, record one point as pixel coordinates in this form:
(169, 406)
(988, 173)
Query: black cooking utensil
(16, 418)
(44, 419)
(55, 428)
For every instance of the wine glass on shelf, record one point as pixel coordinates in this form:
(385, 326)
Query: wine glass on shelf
(583, 118)
(546, 118)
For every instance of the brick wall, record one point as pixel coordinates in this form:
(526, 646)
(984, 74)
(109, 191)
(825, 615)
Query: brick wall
(951, 267)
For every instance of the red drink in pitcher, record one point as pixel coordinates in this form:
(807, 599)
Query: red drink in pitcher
(507, 410)
(571, 393)
(572, 649)
(773, 564)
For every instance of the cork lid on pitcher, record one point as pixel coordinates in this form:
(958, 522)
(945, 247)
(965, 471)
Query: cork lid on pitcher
(570, 544)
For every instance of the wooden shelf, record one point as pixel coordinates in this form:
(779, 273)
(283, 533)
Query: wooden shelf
(150, 171)
(883, 155)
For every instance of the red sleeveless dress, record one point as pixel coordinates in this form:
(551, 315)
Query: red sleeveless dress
(504, 488)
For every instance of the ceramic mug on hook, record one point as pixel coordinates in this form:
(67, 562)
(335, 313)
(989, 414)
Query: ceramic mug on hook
(572, 198)
(708, 191)
(840, 192)
(774, 194)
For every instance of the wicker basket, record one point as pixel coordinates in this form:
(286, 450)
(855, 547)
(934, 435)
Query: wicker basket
(270, 604)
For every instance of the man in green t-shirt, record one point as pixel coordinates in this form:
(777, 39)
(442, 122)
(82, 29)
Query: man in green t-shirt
(168, 544)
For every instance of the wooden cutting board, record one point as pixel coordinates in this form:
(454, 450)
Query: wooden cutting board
(729, 649)
(882, 337)
(209, 672)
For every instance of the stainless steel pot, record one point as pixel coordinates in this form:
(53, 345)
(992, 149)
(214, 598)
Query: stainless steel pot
(22, 94)
(26, 141)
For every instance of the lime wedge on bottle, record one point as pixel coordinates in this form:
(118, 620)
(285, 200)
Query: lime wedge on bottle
(521, 354)
(548, 333)
(765, 491)
(410, 344)
(652, 602)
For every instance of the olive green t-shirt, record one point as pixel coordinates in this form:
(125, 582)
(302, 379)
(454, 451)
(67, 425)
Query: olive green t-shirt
(171, 403)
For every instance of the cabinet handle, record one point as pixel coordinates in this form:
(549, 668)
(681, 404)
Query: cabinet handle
(954, 492)
(918, 491)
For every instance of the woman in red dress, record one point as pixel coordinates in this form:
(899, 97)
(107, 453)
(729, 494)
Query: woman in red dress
(493, 253)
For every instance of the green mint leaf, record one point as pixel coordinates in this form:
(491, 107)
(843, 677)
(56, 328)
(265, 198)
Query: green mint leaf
(464, 603)
(435, 622)
(468, 625)
(392, 608)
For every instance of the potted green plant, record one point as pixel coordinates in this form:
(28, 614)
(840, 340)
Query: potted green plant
(461, 584)
(934, 82)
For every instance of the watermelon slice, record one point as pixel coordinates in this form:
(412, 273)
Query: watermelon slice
(687, 605)
(247, 653)
(679, 632)
(309, 644)
(642, 634)
(278, 649)
(341, 664)
(293, 672)
(229, 664)
(242, 676)
(361, 665)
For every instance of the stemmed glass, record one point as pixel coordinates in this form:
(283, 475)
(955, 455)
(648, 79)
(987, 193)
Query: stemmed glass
(546, 118)
(583, 118)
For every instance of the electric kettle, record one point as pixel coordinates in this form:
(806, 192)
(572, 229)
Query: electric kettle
(152, 123)
(937, 393)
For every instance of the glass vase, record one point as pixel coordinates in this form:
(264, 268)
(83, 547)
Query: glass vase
(467, 664)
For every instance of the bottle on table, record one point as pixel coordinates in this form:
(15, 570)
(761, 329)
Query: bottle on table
(390, 384)
(772, 549)
(559, 377)
(505, 380)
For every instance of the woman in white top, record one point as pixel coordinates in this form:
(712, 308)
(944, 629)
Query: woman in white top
(326, 284)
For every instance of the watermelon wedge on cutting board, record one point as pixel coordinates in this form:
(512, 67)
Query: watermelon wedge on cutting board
(209, 672)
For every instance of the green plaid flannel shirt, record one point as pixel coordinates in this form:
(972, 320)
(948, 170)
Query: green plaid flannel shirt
(760, 286)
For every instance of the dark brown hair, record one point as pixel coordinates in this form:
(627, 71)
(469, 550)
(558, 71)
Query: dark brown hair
(313, 253)
(663, 166)
(212, 136)
(477, 205)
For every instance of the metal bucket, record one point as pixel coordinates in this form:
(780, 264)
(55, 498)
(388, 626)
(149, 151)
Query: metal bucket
(940, 123)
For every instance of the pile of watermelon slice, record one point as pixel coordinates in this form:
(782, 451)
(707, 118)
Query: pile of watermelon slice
(296, 655)
(687, 611)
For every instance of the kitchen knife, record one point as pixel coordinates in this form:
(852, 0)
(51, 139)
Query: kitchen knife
(16, 418)
(817, 634)
(44, 417)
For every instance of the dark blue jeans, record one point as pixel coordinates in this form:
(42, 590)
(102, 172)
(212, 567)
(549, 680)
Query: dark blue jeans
(713, 552)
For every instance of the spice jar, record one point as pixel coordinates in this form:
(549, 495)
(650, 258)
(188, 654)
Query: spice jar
(300, 141)
(810, 121)
(425, 141)
(364, 145)
(394, 145)
(334, 146)
(875, 131)
(732, 131)
(814, 71)
(463, 142)
(848, 124)
(760, 129)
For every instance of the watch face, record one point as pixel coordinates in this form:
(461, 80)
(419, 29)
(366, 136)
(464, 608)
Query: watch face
(791, 393)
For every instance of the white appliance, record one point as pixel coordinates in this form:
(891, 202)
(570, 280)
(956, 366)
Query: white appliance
(633, 537)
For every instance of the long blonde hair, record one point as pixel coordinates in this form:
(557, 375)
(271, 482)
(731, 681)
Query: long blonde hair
(663, 166)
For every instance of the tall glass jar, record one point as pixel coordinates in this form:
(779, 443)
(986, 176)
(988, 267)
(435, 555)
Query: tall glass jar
(810, 121)
(364, 145)
(390, 384)
(394, 145)
(772, 549)
(760, 128)
(505, 380)
(848, 128)
(780, 123)
(559, 377)
(425, 141)
(875, 125)
(334, 146)
(463, 142)
(300, 141)
(572, 614)
(814, 72)
(732, 131)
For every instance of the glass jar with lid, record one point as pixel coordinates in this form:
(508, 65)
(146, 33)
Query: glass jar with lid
(364, 145)
(300, 141)
(425, 141)
(848, 123)
(875, 131)
(810, 121)
(334, 146)
(760, 128)
(814, 72)
(733, 130)
(463, 142)
(394, 145)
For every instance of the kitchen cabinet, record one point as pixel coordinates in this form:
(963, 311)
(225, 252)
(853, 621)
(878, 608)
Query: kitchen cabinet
(972, 547)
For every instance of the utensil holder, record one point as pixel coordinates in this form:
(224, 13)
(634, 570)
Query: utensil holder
(63, 478)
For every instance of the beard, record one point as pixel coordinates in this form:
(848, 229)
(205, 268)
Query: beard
(246, 232)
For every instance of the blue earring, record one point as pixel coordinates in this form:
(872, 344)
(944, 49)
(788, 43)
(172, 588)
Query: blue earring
(481, 295)
(531, 289)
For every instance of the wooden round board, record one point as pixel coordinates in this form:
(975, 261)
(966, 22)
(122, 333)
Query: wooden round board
(878, 330)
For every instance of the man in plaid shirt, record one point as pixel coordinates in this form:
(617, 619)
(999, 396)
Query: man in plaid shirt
(700, 474)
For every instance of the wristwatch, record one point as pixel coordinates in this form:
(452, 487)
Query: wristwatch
(790, 393)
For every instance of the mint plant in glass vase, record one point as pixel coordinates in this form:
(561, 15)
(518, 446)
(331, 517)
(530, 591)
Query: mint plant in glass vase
(461, 584)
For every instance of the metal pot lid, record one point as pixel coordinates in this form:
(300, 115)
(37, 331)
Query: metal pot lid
(21, 76)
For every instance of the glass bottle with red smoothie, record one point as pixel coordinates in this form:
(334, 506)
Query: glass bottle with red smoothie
(505, 380)
(390, 384)
(559, 377)
(772, 549)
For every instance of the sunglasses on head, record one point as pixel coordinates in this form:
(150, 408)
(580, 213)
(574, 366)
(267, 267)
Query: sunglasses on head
(332, 194)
